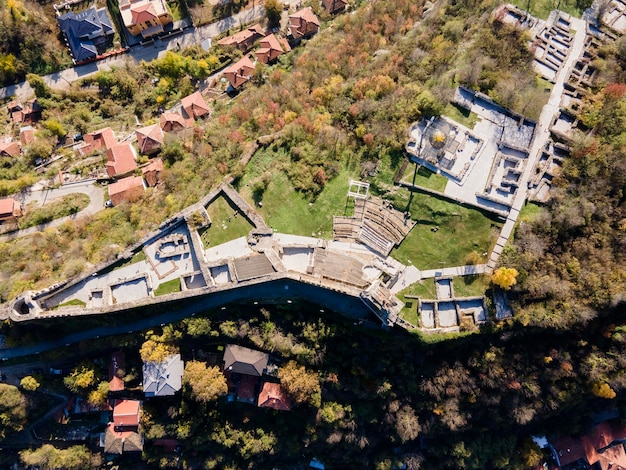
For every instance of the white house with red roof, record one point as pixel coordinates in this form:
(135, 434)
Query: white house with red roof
(145, 17)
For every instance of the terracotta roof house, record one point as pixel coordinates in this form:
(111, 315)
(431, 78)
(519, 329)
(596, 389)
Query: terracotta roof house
(121, 159)
(244, 360)
(240, 72)
(102, 138)
(334, 6)
(126, 190)
(27, 135)
(26, 113)
(273, 396)
(163, 378)
(604, 445)
(303, 23)
(271, 48)
(195, 106)
(172, 122)
(152, 172)
(150, 139)
(116, 384)
(145, 17)
(87, 33)
(126, 414)
(10, 149)
(243, 40)
(10, 210)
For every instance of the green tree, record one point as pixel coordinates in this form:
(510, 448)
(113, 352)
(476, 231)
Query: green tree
(81, 378)
(38, 85)
(273, 11)
(204, 383)
(12, 409)
(154, 351)
(49, 457)
(29, 383)
(301, 384)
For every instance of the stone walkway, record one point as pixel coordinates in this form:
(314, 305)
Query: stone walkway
(542, 134)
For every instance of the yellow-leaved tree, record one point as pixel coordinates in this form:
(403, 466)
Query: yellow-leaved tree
(504, 277)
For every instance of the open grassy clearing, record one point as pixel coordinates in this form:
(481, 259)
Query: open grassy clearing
(542, 8)
(288, 211)
(461, 115)
(530, 211)
(224, 225)
(470, 286)
(462, 232)
(425, 178)
(168, 287)
(67, 205)
(424, 289)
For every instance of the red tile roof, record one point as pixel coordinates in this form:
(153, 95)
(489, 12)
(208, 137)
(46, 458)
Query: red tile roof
(240, 72)
(273, 396)
(194, 105)
(126, 190)
(150, 138)
(613, 458)
(270, 48)
(27, 134)
(172, 122)
(9, 207)
(121, 159)
(152, 171)
(303, 23)
(11, 149)
(126, 413)
(569, 450)
(243, 39)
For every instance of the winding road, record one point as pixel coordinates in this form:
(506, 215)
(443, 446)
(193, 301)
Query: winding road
(42, 196)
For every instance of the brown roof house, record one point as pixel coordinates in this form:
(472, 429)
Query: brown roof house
(170, 122)
(243, 368)
(273, 396)
(126, 190)
(102, 138)
(603, 448)
(150, 139)
(334, 6)
(122, 434)
(240, 72)
(145, 17)
(26, 113)
(271, 48)
(163, 378)
(116, 367)
(243, 40)
(10, 210)
(27, 135)
(152, 171)
(10, 148)
(194, 106)
(303, 23)
(121, 159)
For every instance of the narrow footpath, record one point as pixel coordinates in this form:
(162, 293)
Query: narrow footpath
(542, 134)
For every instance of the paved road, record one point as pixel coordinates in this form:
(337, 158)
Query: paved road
(42, 196)
(278, 291)
(191, 36)
(542, 134)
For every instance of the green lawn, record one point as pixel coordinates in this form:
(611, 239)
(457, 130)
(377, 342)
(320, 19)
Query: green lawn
(168, 287)
(425, 178)
(542, 8)
(470, 286)
(73, 303)
(288, 211)
(461, 115)
(424, 289)
(222, 215)
(62, 207)
(529, 212)
(462, 230)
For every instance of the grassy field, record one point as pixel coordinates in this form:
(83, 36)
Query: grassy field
(469, 286)
(461, 115)
(425, 178)
(529, 212)
(67, 205)
(288, 211)
(168, 287)
(461, 231)
(224, 226)
(73, 303)
(542, 8)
